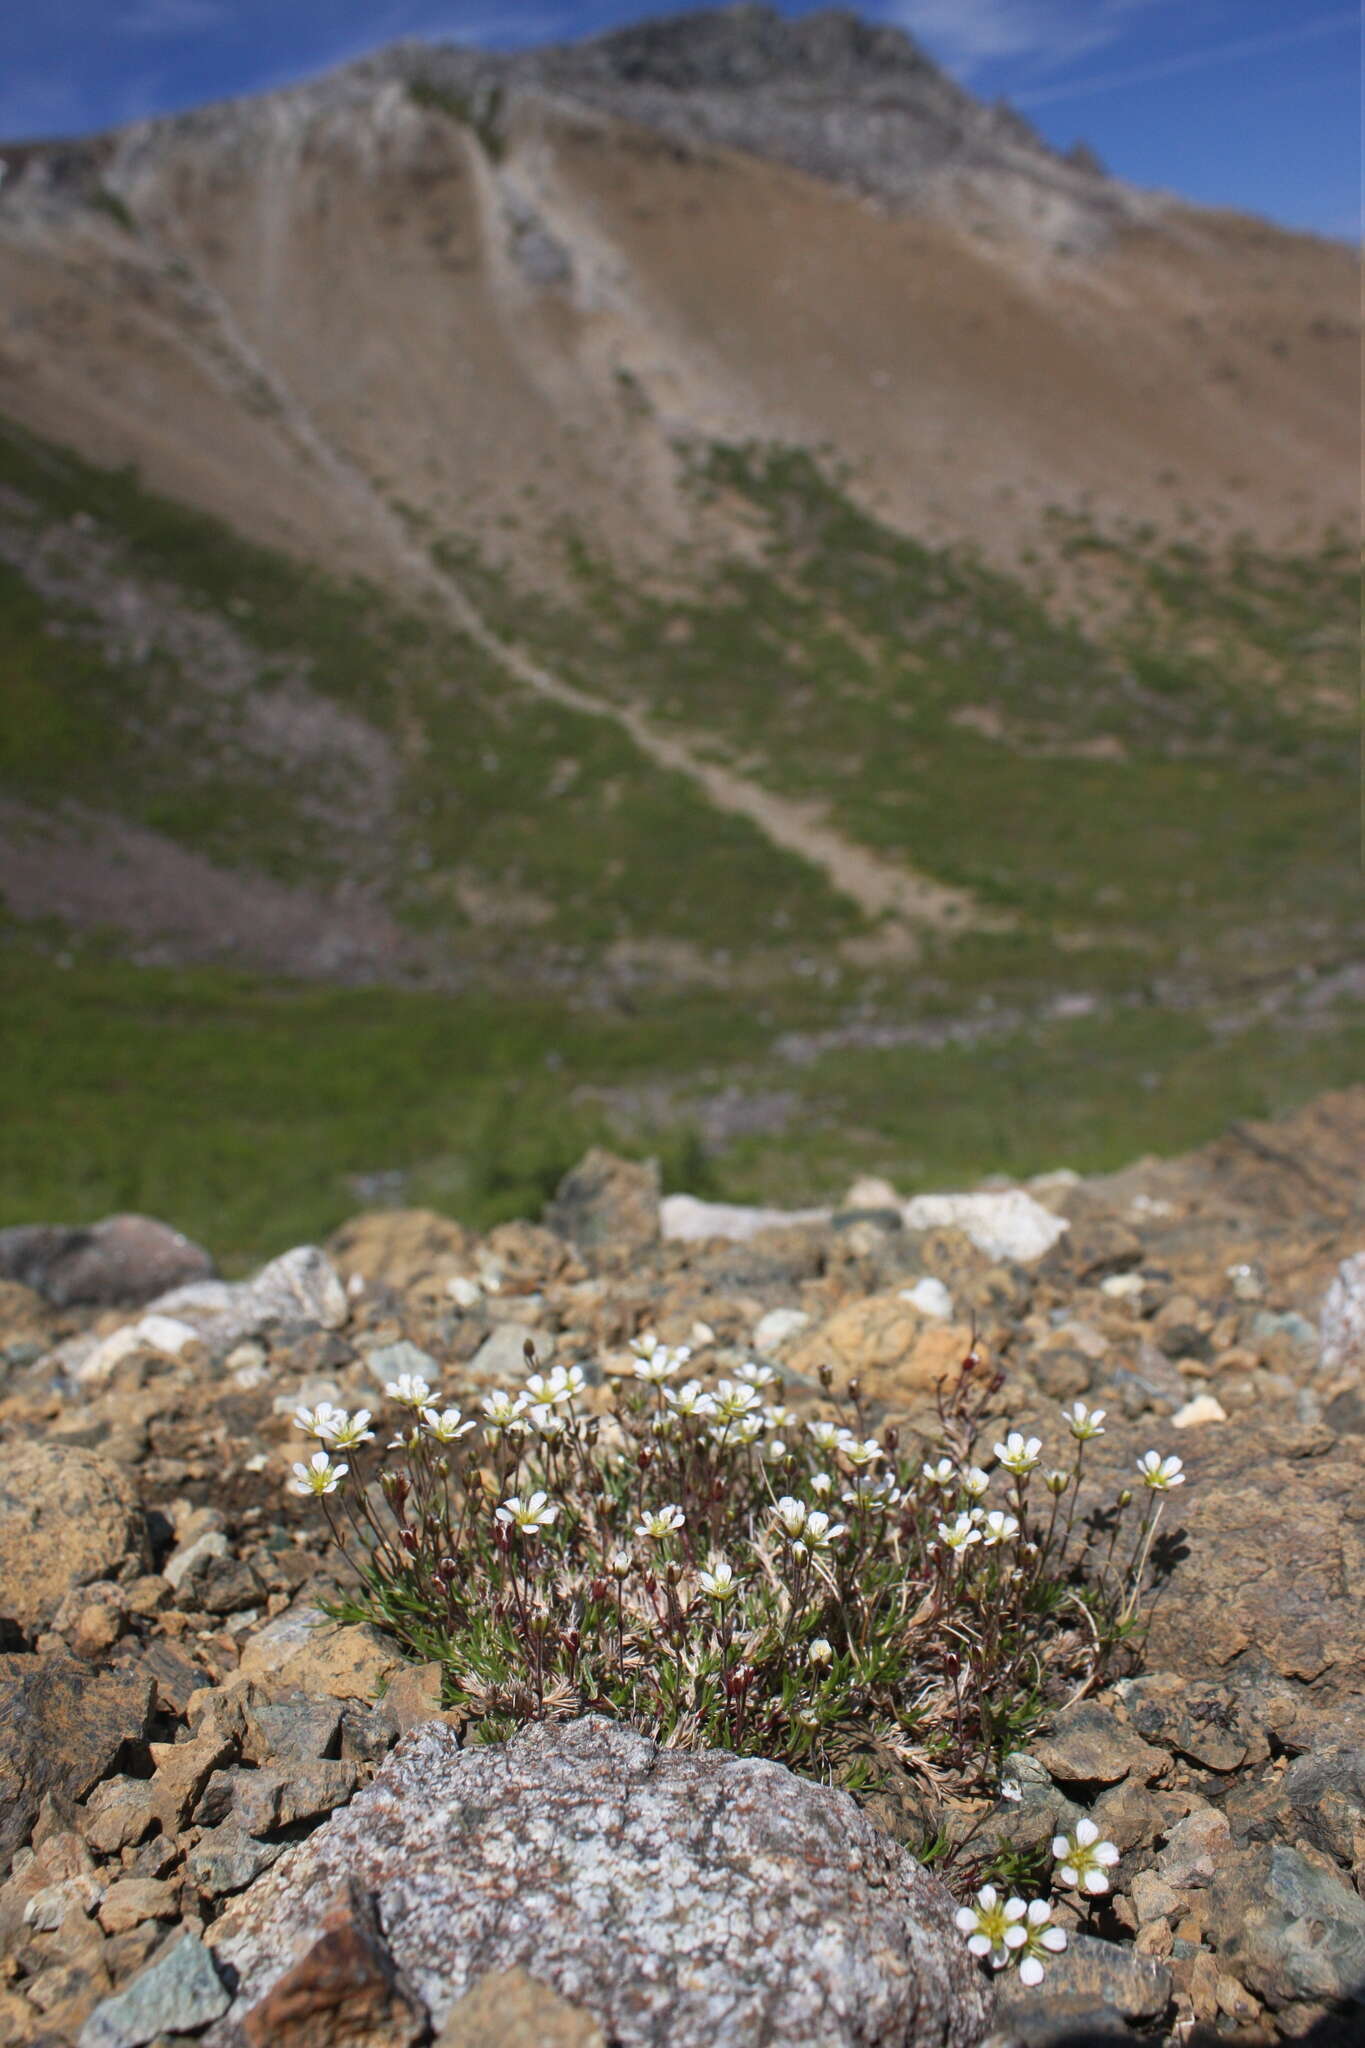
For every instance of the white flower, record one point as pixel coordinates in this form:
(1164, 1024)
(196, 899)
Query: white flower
(943, 1474)
(321, 1421)
(820, 1484)
(410, 1390)
(747, 1430)
(999, 1528)
(1043, 1940)
(659, 1363)
(776, 1417)
(661, 1523)
(1057, 1482)
(690, 1400)
(621, 1562)
(334, 1426)
(734, 1401)
(975, 1482)
(859, 1451)
(446, 1427)
(528, 1517)
(1017, 1454)
(824, 1435)
(819, 1531)
(775, 1449)
(791, 1514)
(757, 1375)
(865, 1491)
(1083, 1422)
(1082, 1858)
(552, 1392)
(1010, 1788)
(1160, 1473)
(319, 1475)
(662, 1359)
(820, 1652)
(720, 1583)
(353, 1430)
(502, 1410)
(958, 1533)
(994, 1926)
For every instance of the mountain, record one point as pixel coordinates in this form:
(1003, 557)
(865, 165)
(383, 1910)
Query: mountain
(707, 539)
(515, 283)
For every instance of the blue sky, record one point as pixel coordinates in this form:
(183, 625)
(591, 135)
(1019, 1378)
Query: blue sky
(1246, 103)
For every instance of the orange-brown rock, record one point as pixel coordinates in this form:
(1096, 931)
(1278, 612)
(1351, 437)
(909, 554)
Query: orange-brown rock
(343, 1992)
(897, 1354)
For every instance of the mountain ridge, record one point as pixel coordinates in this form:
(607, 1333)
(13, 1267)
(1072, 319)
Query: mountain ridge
(854, 103)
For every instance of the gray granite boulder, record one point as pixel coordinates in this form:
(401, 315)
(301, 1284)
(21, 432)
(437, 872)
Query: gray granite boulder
(678, 1899)
(122, 1261)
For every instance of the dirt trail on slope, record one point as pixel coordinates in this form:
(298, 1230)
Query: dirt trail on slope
(893, 896)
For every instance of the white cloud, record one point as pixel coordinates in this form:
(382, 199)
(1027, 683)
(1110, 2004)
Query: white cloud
(967, 34)
(1194, 60)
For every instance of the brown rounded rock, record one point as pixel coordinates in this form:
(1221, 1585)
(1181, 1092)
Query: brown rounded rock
(123, 1260)
(67, 1516)
(412, 1249)
(894, 1350)
(607, 1202)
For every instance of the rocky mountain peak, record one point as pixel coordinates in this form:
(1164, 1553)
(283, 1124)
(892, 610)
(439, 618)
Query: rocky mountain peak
(842, 99)
(751, 44)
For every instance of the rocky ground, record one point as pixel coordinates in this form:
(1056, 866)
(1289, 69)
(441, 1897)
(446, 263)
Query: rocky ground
(173, 1723)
